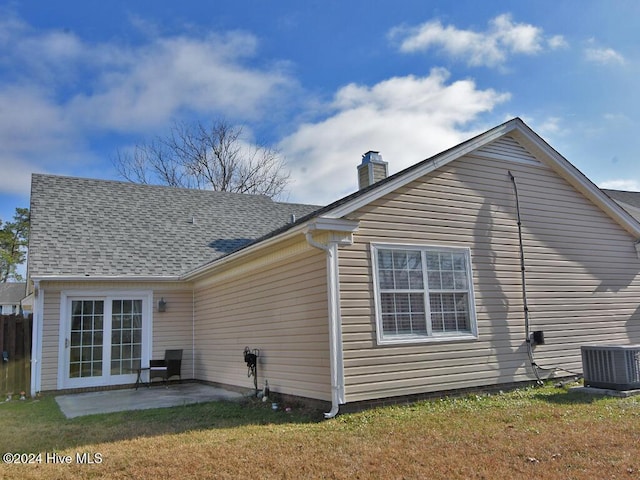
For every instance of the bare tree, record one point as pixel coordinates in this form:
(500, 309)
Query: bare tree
(201, 156)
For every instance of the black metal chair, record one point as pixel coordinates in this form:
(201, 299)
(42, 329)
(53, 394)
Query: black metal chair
(167, 368)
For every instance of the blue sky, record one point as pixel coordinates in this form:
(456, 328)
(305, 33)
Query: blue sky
(323, 82)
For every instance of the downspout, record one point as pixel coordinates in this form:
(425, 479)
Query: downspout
(36, 339)
(335, 324)
(193, 332)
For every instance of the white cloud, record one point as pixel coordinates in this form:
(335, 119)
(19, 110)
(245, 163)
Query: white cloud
(489, 48)
(16, 177)
(155, 81)
(407, 119)
(604, 56)
(551, 126)
(56, 88)
(556, 42)
(621, 184)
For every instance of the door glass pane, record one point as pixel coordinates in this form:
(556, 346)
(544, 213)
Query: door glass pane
(85, 340)
(126, 336)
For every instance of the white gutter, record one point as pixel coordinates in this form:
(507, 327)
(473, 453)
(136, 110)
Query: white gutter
(342, 230)
(36, 339)
(106, 278)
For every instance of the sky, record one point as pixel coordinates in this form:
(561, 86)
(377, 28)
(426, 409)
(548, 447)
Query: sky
(323, 82)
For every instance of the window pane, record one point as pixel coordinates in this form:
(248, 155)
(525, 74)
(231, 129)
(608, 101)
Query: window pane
(446, 262)
(414, 261)
(386, 279)
(462, 302)
(402, 280)
(404, 324)
(436, 322)
(136, 307)
(419, 324)
(385, 259)
(435, 302)
(87, 307)
(433, 261)
(399, 260)
(460, 280)
(415, 280)
(447, 280)
(434, 280)
(459, 262)
(388, 304)
(417, 302)
(402, 302)
(449, 321)
(389, 324)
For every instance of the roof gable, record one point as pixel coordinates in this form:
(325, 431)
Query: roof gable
(513, 141)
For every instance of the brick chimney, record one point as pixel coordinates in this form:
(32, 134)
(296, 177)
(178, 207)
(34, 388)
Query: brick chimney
(372, 169)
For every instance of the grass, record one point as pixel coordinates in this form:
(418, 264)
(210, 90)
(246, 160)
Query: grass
(530, 433)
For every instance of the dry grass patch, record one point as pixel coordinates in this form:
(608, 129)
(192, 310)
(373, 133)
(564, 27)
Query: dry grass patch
(532, 433)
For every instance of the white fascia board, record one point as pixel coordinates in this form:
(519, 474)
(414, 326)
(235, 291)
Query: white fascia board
(105, 278)
(577, 179)
(333, 225)
(432, 164)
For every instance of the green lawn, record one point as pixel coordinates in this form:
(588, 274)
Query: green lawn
(529, 433)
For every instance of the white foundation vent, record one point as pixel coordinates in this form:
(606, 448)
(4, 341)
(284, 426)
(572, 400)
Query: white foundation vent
(616, 367)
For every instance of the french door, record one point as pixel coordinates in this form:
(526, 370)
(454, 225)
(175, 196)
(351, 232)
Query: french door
(106, 339)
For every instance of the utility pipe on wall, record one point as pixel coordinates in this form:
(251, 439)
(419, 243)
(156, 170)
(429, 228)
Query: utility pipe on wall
(525, 302)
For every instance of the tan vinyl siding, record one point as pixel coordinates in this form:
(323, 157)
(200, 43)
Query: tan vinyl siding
(279, 308)
(582, 276)
(171, 329)
(50, 339)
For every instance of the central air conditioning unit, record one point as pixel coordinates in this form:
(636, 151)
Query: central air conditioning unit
(616, 367)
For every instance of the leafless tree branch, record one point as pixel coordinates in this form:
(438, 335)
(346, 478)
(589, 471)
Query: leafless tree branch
(212, 156)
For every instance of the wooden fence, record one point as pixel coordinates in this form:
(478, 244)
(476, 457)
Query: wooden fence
(15, 365)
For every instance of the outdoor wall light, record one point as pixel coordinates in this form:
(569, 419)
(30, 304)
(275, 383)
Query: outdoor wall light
(162, 305)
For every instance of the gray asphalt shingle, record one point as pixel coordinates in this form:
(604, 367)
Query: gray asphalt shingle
(630, 201)
(100, 227)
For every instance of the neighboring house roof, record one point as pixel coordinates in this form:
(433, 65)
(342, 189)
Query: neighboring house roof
(630, 201)
(12, 293)
(84, 227)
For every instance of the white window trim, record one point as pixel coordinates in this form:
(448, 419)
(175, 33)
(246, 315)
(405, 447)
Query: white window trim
(412, 339)
(147, 333)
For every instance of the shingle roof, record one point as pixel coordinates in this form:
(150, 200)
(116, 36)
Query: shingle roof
(12, 293)
(105, 228)
(630, 201)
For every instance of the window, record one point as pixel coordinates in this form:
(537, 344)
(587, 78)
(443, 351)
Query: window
(423, 293)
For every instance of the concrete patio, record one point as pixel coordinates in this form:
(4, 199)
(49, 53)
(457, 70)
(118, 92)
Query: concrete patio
(157, 396)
